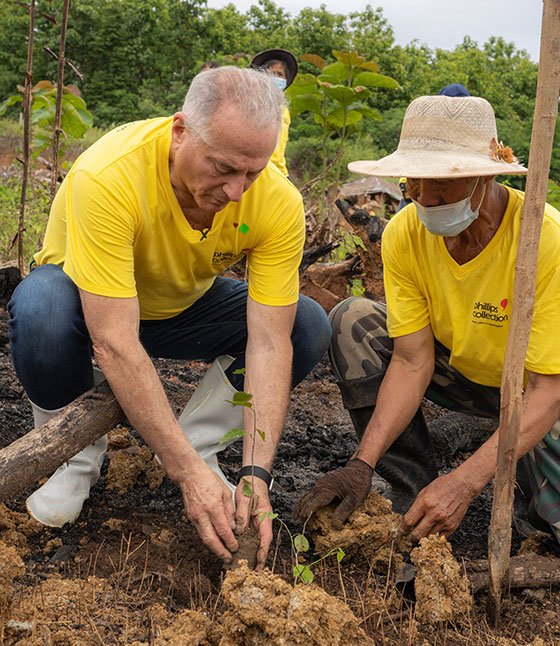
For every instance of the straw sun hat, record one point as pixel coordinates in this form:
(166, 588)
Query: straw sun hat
(446, 137)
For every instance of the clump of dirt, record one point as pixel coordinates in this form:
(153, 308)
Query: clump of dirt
(263, 609)
(130, 463)
(16, 528)
(188, 628)
(371, 532)
(249, 542)
(442, 591)
(11, 566)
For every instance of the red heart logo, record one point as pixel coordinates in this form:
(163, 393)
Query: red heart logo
(504, 303)
(236, 224)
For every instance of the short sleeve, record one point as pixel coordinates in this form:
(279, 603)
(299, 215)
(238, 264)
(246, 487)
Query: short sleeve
(407, 310)
(274, 261)
(100, 236)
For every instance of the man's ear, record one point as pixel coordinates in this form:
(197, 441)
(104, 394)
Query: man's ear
(178, 128)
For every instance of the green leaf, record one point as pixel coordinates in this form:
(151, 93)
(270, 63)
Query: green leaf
(303, 84)
(239, 371)
(232, 434)
(247, 490)
(262, 435)
(371, 79)
(11, 100)
(306, 103)
(301, 543)
(372, 66)
(307, 575)
(313, 59)
(344, 95)
(43, 117)
(72, 99)
(349, 59)
(340, 554)
(330, 79)
(241, 399)
(297, 571)
(267, 514)
(72, 123)
(366, 111)
(340, 118)
(339, 71)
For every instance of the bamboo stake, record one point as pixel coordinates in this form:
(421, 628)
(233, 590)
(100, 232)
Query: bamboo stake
(26, 133)
(544, 121)
(59, 91)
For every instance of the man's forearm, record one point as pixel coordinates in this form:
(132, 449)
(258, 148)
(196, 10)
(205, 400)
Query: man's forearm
(136, 384)
(398, 399)
(541, 409)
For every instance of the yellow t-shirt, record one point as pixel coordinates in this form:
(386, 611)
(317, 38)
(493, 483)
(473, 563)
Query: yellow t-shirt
(469, 306)
(279, 155)
(117, 228)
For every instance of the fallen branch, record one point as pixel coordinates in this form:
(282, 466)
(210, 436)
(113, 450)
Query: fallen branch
(527, 571)
(41, 451)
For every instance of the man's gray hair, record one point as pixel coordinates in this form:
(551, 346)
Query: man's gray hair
(259, 100)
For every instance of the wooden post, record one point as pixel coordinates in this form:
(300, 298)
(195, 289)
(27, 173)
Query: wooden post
(59, 93)
(544, 122)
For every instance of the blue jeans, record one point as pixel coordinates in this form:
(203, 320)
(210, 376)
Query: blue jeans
(52, 350)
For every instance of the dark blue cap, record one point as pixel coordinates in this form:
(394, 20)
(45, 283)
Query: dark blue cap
(455, 89)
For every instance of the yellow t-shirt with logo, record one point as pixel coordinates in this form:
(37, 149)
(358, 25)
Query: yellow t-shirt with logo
(279, 155)
(469, 306)
(117, 229)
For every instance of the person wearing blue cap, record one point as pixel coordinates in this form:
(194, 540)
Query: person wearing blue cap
(455, 89)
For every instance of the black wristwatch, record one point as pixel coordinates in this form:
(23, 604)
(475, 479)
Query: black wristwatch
(258, 472)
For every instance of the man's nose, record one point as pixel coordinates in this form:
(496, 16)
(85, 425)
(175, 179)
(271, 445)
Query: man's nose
(234, 188)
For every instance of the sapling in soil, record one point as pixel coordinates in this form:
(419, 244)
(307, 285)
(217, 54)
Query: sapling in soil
(248, 539)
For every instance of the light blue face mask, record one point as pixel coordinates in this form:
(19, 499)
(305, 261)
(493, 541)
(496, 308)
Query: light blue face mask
(449, 219)
(280, 82)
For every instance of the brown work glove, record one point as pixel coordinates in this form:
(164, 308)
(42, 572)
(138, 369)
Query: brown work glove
(350, 484)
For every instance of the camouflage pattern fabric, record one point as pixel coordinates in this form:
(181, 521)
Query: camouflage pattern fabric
(362, 348)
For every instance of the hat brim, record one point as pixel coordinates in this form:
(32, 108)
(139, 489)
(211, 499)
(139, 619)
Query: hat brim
(278, 54)
(441, 165)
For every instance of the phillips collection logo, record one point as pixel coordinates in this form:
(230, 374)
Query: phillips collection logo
(490, 312)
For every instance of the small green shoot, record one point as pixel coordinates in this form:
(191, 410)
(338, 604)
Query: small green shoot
(232, 434)
(300, 545)
(242, 399)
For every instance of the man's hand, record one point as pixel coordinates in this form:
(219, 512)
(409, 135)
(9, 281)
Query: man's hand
(249, 508)
(439, 507)
(350, 484)
(209, 506)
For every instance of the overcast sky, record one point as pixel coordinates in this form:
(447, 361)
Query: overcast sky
(440, 23)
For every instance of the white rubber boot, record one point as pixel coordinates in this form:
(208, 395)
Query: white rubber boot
(61, 498)
(208, 416)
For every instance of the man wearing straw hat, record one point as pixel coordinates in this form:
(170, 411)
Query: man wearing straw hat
(449, 260)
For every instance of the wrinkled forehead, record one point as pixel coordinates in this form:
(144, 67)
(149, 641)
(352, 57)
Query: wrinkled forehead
(230, 128)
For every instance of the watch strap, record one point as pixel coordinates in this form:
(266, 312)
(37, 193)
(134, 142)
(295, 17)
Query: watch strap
(258, 472)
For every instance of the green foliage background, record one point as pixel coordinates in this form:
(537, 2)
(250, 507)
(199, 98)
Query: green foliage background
(137, 58)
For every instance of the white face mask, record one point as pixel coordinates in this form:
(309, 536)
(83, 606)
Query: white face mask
(449, 219)
(280, 82)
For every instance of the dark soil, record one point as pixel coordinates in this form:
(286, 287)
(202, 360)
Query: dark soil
(133, 545)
